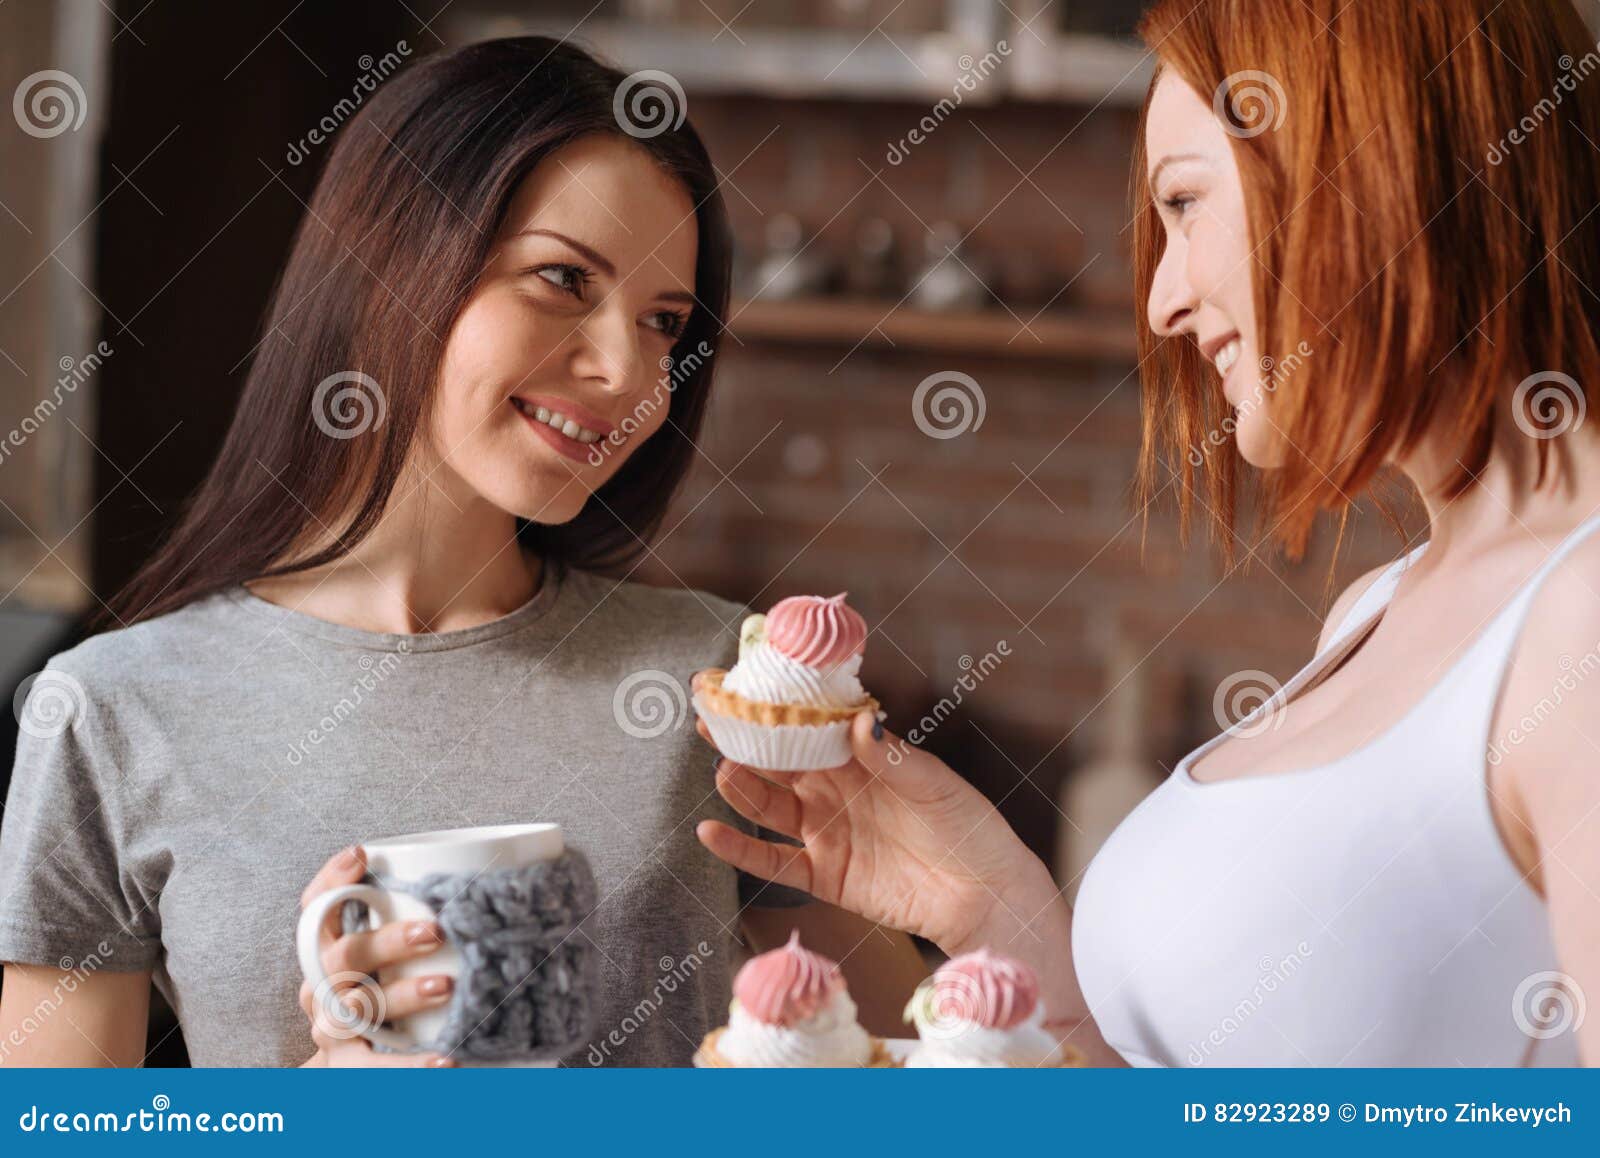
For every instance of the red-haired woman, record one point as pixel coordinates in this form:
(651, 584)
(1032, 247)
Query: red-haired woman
(1368, 242)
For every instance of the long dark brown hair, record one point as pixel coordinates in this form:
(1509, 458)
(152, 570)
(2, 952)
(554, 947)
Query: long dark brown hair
(398, 232)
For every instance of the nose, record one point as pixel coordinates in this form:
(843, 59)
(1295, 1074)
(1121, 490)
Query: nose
(607, 352)
(1172, 301)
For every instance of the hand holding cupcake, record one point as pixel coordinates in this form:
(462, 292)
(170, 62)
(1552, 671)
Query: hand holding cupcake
(791, 1009)
(786, 705)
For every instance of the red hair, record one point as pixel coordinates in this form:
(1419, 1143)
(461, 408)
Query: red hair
(1420, 181)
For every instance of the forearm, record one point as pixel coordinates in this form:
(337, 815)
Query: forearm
(1031, 921)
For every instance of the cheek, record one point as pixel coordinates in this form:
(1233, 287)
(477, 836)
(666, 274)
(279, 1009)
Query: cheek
(489, 351)
(647, 416)
(1210, 263)
(1219, 264)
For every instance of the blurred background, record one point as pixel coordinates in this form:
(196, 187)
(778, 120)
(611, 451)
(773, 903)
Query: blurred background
(928, 395)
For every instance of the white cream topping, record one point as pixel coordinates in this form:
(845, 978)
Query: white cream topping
(768, 676)
(967, 1045)
(829, 1037)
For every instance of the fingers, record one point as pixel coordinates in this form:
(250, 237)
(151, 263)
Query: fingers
(345, 867)
(390, 943)
(401, 998)
(341, 1043)
(782, 864)
(359, 1052)
(758, 799)
(884, 754)
(414, 994)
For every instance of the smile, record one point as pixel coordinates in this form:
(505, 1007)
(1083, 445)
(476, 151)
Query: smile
(571, 435)
(555, 420)
(1227, 357)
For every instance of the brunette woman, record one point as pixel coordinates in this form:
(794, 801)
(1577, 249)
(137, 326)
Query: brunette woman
(484, 371)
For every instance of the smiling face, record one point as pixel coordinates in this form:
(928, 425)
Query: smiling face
(564, 338)
(1203, 287)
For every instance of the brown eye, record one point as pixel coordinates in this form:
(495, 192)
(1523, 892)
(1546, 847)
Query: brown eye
(571, 278)
(669, 323)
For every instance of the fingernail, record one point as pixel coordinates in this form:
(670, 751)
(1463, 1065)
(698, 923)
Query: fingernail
(442, 1063)
(422, 933)
(877, 729)
(433, 986)
(348, 858)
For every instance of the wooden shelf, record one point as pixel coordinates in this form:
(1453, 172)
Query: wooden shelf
(824, 63)
(846, 322)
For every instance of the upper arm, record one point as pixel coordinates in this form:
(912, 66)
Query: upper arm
(69, 885)
(53, 1018)
(1544, 765)
(1342, 606)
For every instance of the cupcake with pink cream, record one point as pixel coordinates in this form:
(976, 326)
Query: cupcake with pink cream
(786, 705)
(981, 1010)
(791, 1010)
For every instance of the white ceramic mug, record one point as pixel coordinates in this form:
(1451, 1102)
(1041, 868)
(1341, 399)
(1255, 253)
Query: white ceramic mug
(409, 858)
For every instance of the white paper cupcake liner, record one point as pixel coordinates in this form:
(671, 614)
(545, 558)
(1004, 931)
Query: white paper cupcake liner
(777, 747)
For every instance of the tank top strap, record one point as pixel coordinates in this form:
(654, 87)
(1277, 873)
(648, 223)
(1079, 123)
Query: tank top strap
(1374, 599)
(1499, 640)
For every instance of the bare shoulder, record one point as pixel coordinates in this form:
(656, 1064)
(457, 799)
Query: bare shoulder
(1547, 726)
(1347, 600)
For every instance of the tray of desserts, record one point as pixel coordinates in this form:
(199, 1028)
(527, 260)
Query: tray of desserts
(791, 1009)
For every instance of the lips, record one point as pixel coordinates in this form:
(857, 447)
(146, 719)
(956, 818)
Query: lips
(559, 420)
(567, 428)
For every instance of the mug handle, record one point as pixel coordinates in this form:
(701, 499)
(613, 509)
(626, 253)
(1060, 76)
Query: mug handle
(307, 936)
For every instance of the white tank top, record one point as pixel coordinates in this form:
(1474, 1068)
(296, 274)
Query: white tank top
(1363, 912)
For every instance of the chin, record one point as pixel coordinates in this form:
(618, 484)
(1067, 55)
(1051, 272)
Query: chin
(552, 506)
(1259, 444)
(535, 497)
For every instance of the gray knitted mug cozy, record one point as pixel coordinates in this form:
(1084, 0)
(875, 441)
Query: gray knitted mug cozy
(529, 983)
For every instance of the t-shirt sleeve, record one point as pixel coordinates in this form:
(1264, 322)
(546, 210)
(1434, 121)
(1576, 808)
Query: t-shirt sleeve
(65, 891)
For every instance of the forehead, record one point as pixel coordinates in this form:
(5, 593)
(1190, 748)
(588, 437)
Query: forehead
(612, 196)
(1180, 122)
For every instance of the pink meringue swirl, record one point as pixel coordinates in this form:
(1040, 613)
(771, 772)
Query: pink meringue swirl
(984, 989)
(787, 985)
(815, 631)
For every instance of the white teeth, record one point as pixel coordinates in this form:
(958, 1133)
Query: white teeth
(1227, 356)
(558, 421)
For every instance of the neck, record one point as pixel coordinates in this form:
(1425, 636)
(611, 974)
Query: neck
(1506, 498)
(442, 558)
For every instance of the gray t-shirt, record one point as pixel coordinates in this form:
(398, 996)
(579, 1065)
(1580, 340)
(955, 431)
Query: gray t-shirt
(210, 760)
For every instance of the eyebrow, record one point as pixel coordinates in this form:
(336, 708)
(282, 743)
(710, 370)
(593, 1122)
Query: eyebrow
(1173, 159)
(591, 254)
(599, 260)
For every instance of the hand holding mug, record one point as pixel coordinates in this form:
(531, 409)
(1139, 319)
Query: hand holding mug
(355, 959)
(495, 908)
